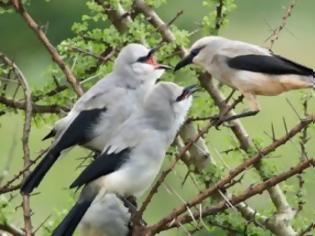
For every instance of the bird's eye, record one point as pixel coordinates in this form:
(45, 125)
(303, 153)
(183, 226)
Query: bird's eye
(142, 59)
(195, 51)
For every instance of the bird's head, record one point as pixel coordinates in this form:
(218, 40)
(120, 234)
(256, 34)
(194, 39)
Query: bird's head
(138, 62)
(201, 52)
(170, 103)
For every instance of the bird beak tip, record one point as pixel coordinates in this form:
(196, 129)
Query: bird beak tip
(184, 62)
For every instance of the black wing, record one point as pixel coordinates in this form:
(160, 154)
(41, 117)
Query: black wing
(103, 165)
(79, 131)
(274, 65)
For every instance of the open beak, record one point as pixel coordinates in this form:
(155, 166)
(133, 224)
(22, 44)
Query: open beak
(187, 92)
(184, 62)
(152, 61)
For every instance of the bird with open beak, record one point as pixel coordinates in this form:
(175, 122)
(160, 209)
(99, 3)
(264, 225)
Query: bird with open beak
(103, 108)
(133, 157)
(251, 69)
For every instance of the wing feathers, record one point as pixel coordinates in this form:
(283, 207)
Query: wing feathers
(274, 65)
(103, 165)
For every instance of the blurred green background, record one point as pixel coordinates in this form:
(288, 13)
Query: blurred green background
(252, 21)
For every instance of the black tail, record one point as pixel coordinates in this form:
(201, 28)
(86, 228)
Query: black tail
(34, 179)
(72, 219)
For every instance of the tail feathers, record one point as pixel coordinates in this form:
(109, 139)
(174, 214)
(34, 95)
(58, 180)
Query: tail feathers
(73, 218)
(34, 179)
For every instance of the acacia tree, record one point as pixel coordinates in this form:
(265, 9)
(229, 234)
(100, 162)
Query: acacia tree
(223, 190)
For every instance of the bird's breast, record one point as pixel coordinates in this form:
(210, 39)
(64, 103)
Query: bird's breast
(266, 85)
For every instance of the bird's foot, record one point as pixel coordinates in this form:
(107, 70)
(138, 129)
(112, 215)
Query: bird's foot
(131, 203)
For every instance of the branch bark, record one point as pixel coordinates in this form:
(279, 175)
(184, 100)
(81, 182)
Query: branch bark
(36, 108)
(248, 193)
(25, 138)
(20, 9)
(11, 229)
(233, 173)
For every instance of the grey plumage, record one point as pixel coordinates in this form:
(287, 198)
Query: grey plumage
(142, 140)
(101, 109)
(107, 216)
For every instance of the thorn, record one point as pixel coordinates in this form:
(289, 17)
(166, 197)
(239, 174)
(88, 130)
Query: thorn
(185, 178)
(269, 136)
(293, 108)
(273, 132)
(285, 126)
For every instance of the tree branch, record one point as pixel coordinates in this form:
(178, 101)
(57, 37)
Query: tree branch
(13, 230)
(276, 32)
(248, 193)
(19, 8)
(8, 186)
(25, 138)
(234, 172)
(36, 108)
(276, 194)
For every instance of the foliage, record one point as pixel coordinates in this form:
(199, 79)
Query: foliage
(95, 37)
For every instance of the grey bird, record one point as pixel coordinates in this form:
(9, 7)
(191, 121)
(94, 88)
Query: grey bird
(107, 216)
(251, 69)
(102, 108)
(132, 159)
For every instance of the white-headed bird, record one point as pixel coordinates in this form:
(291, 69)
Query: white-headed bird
(251, 69)
(132, 159)
(102, 108)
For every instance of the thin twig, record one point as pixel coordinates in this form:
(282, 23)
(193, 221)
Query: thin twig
(249, 192)
(11, 229)
(276, 32)
(165, 173)
(7, 187)
(20, 9)
(309, 228)
(235, 172)
(36, 107)
(25, 139)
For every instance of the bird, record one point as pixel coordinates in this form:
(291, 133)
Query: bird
(102, 108)
(107, 216)
(132, 159)
(251, 69)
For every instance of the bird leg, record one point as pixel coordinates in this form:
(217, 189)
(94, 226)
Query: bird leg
(254, 109)
(131, 203)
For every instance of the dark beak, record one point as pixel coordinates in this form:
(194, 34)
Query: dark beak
(153, 50)
(184, 62)
(188, 91)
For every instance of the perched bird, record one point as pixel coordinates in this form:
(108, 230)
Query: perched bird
(132, 159)
(251, 69)
(107, 216)
(103, 108)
